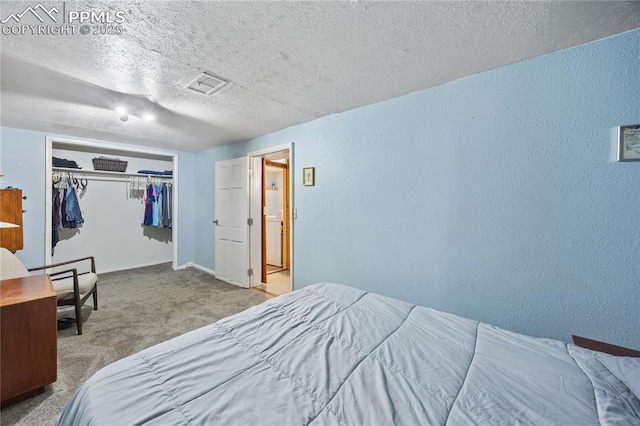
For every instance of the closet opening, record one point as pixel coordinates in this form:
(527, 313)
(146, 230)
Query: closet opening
(271, 239)
(127, 201)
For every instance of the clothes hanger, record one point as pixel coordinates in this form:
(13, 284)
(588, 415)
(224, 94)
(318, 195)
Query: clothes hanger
(82, 186)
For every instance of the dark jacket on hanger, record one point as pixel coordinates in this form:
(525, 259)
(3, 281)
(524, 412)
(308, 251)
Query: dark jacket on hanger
(55, 217)
(71, 214)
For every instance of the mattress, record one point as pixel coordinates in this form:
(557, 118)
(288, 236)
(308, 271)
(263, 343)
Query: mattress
(334, 355)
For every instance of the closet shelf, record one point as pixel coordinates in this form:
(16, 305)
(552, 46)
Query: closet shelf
(107, 173)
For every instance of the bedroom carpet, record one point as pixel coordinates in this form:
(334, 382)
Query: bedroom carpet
(137, 308)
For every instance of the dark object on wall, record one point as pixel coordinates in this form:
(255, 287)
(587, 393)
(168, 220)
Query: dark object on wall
(109, 164)
(308, 176)
(629, 143)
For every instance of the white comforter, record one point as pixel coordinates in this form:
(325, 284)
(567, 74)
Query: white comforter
(334, 355)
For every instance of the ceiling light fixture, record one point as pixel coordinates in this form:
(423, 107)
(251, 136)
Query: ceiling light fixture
(137, 112)
(123, 113)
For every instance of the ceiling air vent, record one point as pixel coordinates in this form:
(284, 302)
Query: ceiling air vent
(206, 83)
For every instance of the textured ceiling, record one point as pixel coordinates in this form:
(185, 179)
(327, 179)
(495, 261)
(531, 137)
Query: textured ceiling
(289, 62)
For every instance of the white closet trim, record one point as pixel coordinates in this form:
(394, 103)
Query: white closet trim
(105, 146)
(106, 173)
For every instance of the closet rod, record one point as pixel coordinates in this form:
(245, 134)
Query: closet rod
(116, 179)
(106, 173)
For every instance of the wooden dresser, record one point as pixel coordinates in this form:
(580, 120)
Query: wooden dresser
(11, 212)
(28, 334)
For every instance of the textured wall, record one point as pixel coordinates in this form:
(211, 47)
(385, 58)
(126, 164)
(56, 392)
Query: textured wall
(492, 197)
(23, 164)
(203, 212)
(188, 190)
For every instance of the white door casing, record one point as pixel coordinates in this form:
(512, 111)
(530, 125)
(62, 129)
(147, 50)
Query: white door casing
(255, 232)
(231, 214)
(256, 210)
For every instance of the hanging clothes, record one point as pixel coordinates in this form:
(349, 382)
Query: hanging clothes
(166, 205)
(70, 209)
(148, 203)
(158, 205)
(55, 216)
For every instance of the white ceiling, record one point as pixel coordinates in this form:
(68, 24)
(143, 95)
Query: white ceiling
(290, 62)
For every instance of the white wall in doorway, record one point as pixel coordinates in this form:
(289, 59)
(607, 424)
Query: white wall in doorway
(273, 182)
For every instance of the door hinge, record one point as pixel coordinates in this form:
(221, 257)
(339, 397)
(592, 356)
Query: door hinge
(249, 272)
(250, 221)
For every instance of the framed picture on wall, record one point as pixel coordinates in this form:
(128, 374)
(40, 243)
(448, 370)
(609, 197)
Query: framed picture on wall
(308, 176)
(629, 143)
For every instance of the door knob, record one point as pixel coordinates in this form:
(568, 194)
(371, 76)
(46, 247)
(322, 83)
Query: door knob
(216, 222)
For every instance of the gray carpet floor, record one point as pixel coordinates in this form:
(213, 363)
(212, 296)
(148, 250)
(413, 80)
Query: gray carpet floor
(137, 308)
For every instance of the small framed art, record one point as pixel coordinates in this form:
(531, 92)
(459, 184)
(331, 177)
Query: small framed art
(308, 176)
(629, 143)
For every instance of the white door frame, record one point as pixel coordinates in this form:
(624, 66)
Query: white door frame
(255, 209)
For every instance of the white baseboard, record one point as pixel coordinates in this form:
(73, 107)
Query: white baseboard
(124, 268)
(203, 269)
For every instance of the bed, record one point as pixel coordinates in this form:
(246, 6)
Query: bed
(330, 354)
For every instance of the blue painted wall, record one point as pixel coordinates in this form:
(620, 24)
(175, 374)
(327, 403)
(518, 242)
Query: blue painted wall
(23, 164)
(204, 165)
(187, 192)
(492, 197)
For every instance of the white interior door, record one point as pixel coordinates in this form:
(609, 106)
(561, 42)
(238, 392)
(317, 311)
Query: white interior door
(232, 229)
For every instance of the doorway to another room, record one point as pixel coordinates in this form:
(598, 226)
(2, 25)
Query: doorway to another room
(271, 202)
(276, 276)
